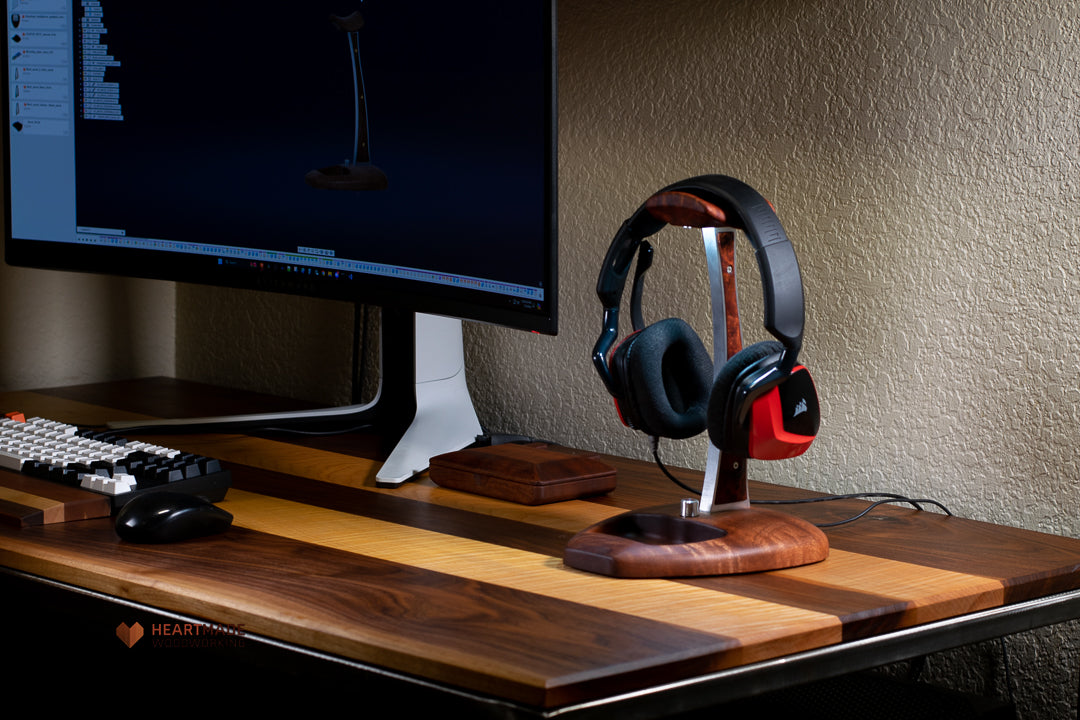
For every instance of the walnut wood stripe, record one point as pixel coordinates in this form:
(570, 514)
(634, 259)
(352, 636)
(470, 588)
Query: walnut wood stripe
(578, 514)
(861, 614)
(876, 609)
(912, 594)
(402, 509)
(286, 460)
(895, 533)
(29, 501)
(165, 397)
(1028, 564)
(871, 594)
(19, 515)
(485, 636)
(472, 592)
(1049, 571)
(659, 600)
(63, 409)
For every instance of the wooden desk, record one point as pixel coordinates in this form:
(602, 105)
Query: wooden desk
(427, 592)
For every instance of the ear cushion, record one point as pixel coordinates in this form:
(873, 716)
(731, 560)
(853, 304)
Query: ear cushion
(666, 373)
(719, 432)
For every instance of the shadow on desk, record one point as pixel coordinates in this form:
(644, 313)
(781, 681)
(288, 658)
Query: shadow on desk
(68, 654)
(867, 696)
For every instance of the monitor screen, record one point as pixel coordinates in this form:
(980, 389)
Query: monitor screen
(391, 152)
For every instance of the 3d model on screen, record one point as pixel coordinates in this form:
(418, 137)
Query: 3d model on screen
(356, 173)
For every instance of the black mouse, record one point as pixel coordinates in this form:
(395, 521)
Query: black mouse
(164, 517)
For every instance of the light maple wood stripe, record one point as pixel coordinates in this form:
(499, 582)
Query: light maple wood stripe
(24, 498)
(933, 593)
(568, 515)
(322, 465)
(354, 472)
(752, 621)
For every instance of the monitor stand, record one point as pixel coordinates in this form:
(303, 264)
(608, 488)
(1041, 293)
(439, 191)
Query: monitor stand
(422, 407)
(445, 419)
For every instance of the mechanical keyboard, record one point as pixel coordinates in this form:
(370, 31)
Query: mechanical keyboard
(105, 463)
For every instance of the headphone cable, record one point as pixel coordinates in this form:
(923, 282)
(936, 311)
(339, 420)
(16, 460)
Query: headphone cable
(882, 497)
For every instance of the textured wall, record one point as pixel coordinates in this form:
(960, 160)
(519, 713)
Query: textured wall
(288, 346)
(923, 156)
(65, 328)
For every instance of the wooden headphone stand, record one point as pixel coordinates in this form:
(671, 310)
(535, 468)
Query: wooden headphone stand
(695, 538)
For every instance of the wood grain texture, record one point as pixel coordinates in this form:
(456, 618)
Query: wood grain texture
(686, 210)
(725, 242)
(473, 592)
(29, 501)
(662, 543)
(527, 474)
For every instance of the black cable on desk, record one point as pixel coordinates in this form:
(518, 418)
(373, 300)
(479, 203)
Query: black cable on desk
(883, 498)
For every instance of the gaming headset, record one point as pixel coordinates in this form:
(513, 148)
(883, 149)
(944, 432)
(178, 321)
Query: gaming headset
(759, 403)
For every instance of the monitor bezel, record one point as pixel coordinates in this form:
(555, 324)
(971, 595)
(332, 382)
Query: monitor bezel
(401, 294)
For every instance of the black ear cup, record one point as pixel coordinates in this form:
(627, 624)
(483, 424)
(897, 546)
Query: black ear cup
(720, 422)
(762, 403)
(665, 374)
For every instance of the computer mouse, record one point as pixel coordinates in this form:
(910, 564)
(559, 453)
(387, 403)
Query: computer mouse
(164, 517)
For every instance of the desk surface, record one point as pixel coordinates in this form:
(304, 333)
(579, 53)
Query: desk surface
(470, 594)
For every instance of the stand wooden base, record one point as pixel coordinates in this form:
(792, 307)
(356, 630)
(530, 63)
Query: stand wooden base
(660, 542)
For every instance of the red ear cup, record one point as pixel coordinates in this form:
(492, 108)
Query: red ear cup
(660, 378)
(781, 420)
(784, 421)
(664, 374)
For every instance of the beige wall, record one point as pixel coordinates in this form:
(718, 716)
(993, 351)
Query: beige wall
(67, 328)
(924, 157)
(288, 346)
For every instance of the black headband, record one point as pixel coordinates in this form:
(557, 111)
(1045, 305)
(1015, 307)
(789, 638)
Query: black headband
(746, 210)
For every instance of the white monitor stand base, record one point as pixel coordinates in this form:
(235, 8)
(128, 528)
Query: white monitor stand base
(445, 419)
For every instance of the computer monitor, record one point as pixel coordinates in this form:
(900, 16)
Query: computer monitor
(391, 153)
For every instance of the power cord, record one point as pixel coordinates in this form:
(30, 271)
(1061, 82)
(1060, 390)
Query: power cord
(881, 498)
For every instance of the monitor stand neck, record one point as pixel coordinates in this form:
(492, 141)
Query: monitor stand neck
(444, 419)
(422, 408)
